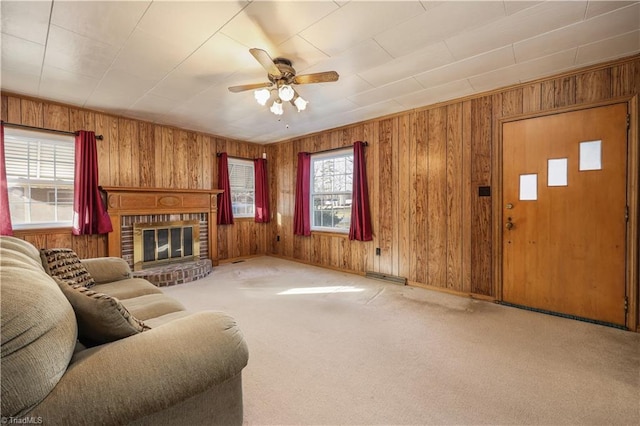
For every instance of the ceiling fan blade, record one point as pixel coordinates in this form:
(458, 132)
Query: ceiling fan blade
(243, 87)
(266, 61)
(320, 77)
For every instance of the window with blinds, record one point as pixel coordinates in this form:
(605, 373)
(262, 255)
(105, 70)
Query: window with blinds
(330, 192)
(243, 189)
(40, 173)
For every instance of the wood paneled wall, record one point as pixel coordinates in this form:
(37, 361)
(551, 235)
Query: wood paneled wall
(425, 168)
(140, 154)
(244, 237)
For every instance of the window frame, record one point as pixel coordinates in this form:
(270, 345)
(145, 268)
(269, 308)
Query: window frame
(232, 162)
(30, 181)
(333, 154)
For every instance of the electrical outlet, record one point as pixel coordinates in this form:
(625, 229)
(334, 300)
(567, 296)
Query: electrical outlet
(377, 251)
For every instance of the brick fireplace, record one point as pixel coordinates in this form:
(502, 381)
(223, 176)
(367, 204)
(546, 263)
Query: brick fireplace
(159, 243)
(177, 214)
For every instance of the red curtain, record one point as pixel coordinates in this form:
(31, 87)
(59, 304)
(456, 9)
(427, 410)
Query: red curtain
(262, 190)
(89, 212)
(360, 228)
(301, 219)
(225, 211)
(5, 213)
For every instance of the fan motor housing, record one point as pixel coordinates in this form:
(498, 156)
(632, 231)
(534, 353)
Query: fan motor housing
(286, 68)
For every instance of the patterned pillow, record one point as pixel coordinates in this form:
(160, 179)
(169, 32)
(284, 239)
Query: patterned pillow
(65, 264)
(101, 318)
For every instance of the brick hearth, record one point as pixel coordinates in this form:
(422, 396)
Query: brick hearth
(178, 273)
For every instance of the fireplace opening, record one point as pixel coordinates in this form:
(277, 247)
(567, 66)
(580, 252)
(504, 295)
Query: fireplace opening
(165, 242)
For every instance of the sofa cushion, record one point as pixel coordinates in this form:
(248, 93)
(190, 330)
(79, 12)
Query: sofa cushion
(107, 269)
(22, 246)
(65, 264)
(21, 249)
(101, 318)
(127, 289)
(152, 306)
(166, 318)
(38, 335)
(15, 258)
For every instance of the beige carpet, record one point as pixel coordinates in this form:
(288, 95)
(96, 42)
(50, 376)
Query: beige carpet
(335, 348)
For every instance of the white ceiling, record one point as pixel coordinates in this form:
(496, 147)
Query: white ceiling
(171, 61)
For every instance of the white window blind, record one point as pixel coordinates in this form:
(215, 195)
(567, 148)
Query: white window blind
(40, 174)
(242, 183)
(331, 188)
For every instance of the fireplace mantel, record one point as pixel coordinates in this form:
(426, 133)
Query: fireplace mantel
(124, 201)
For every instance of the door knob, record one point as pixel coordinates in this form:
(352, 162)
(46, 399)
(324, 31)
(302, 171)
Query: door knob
(509, 225)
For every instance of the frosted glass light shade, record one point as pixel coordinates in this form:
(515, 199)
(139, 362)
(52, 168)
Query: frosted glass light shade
(286, 92)
(276, 108)
(300, 103)
(262, 96)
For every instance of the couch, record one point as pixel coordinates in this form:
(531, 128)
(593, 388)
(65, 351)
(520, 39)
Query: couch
(110, 352)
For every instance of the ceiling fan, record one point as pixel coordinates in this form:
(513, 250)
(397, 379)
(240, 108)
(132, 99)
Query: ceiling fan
(282, 76)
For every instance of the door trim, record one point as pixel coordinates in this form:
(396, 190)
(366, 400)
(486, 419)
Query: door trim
(633, 184)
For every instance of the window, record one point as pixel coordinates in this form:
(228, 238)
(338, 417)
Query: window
(331, 186)
(40, 172)
(242, 183)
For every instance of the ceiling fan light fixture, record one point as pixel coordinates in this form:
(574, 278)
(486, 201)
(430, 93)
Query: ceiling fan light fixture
(300, 103)
(286, 92)
(276, 108)
(282, 77)
(262, 96)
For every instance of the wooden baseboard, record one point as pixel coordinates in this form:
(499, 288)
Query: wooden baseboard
(333, 268)
(410, 283)
(240, 258)
(453, 292)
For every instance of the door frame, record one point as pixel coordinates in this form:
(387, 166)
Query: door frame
(632, 289)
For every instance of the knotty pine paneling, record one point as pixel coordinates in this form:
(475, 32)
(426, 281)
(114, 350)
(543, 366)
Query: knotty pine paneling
(425, 168)
(181, 161)
(593, 86)
(454, 194)
(418, 242)
(122, 150)
(467, 199)
(244, 237)
(56, 117)
(135, 153)
(145, 144)
(32, 113)
(403, 213)
(14, 110)
(386, 194)
(531, 98)
(4, 107)
(625, 78)
(436, 197)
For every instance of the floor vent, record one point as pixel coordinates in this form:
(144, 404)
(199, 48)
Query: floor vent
(238, 261)
(384, 277)
(558, 314)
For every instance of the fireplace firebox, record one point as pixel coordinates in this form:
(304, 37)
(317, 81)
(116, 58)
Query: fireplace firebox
(161, 243)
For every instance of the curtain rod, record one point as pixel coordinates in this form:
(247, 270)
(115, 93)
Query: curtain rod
(218, 154)
(24, 126)
(365, 143)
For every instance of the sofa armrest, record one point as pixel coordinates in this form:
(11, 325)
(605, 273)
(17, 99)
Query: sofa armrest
(107, 269)
(131, 378)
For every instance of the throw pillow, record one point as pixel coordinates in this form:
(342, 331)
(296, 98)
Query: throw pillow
(65, 264)
(101, 318)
